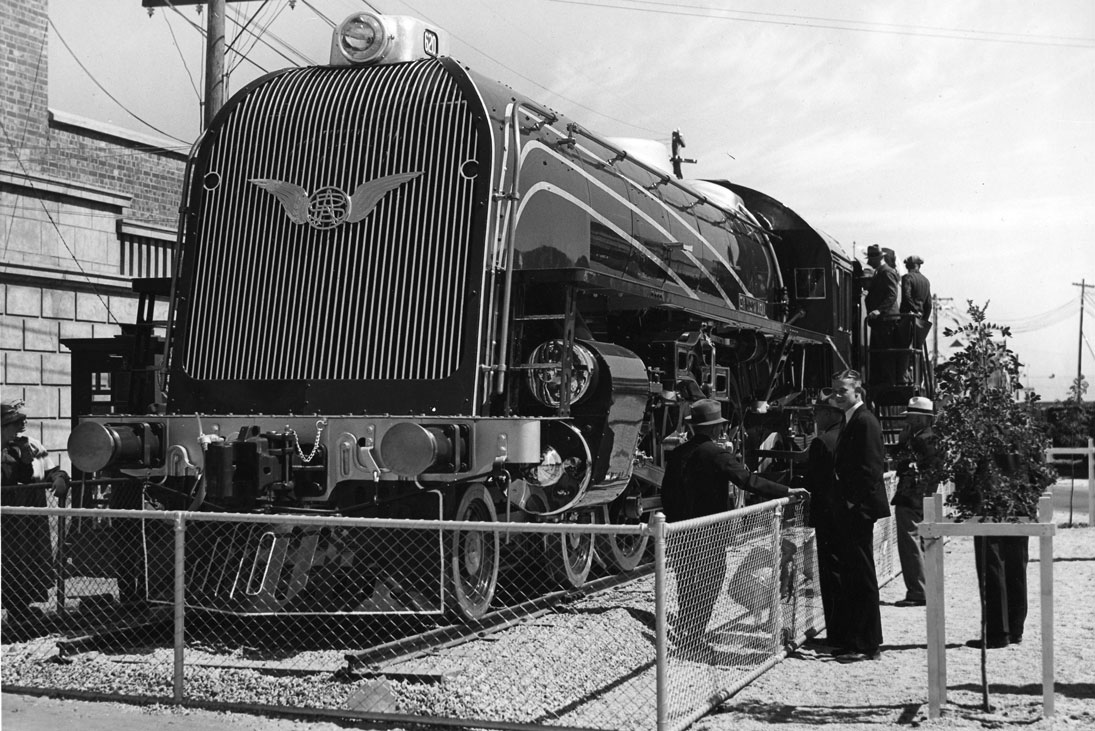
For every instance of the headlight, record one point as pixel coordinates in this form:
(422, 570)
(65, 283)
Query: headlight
(362, 38)
(549, 471)
(545, 376)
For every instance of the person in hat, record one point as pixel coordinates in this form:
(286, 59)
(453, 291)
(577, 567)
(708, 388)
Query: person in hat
(26, 552)
(858, 468)
(916, 313)
(882, 303)
(917, 453)
(820, 482)
(699, 474)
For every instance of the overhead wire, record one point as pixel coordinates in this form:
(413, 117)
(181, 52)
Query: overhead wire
(835, 24)
(523, 76)
(103, 89)
(182, 57)
(201, 31)
(53, 222)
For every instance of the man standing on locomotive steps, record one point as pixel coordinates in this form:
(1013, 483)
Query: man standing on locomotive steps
(858, 464)
(882, 303)
(697, 483)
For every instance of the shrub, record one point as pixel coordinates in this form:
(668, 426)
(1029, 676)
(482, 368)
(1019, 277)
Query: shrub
(993, 444)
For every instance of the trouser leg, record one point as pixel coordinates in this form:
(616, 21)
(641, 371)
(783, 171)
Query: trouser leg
(991, 580)
(910, 551)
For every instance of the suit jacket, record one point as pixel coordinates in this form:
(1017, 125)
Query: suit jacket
(884, 291)
(820, 479)
(916, 295)
(706, 474)
(859, 463)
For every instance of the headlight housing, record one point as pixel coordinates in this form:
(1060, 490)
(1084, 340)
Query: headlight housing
(362, 38)
(545, 373)
(369, 39)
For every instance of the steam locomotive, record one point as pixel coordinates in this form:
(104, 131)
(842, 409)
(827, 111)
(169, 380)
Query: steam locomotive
(403, 290)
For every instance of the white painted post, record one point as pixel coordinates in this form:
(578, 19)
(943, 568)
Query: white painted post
(935, 610)
(1045, 558)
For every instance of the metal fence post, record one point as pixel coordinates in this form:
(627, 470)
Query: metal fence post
(661, 633)
(179, 603)
(777, 577)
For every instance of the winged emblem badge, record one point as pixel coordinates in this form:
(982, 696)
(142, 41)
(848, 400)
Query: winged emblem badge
(329, 207)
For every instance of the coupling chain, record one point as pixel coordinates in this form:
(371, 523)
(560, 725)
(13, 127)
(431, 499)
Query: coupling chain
(321, 424)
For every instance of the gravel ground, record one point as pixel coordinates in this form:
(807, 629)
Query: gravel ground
(803, 691)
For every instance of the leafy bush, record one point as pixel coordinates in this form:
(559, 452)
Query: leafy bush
(993, 443)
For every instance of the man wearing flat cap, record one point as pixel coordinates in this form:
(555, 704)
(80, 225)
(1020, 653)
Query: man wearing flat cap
(26, 553)
(883, 306)
(917, 454)
(698, 475)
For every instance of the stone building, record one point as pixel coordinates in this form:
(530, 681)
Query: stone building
(85, 208)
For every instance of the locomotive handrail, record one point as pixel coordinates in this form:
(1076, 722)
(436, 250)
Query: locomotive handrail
(664, 178)
(511, 225)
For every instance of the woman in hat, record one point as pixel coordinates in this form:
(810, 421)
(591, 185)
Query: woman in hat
(26, 553)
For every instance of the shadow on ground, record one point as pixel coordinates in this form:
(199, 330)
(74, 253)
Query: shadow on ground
(776, 713)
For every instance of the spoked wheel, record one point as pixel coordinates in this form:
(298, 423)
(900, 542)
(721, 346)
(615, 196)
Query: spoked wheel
(622, 553)
(571, 555)
(474, 560)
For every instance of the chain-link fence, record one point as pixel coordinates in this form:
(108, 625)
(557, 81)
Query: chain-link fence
(520, 624)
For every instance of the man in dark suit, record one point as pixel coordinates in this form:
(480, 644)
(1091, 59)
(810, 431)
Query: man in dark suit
(820, 481)
(858, 464)
(916, 314)
(883, 304)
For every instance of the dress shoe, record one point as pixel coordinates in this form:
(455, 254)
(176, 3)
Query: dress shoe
(910, 603)
(994, 643)
(859, 656)
(1017, 640)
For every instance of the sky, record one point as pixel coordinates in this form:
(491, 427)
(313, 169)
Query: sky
(963, 132)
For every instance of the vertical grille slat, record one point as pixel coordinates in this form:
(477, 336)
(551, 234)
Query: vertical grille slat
(382, 298)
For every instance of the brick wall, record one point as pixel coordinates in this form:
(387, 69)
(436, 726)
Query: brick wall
(24, 65)
(67, 189)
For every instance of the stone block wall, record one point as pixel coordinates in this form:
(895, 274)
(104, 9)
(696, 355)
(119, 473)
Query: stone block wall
(70, 189)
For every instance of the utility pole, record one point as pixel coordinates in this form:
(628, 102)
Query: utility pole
(1083, 285)
(214, 60)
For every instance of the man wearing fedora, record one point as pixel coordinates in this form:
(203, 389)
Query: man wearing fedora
(698, 476)
(883, 306)
(917, 454)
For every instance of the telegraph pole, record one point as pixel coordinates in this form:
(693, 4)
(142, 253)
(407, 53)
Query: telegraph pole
(1084, 286)
(214, 60)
